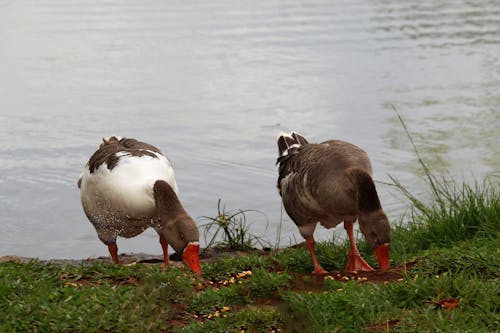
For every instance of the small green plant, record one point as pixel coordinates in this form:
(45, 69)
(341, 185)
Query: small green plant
(232, 226)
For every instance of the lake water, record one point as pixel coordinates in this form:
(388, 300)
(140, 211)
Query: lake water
(212, 83)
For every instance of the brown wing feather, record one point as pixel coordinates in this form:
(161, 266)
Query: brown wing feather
(108, 149)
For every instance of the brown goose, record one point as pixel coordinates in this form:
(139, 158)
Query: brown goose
(329, 183)
(128, 186)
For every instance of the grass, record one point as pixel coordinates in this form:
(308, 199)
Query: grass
(50, 298)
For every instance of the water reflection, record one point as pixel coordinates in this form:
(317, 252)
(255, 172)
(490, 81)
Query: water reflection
(212, 84)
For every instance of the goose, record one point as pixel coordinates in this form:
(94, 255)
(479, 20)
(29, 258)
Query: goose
(128, 186)
(331, 182)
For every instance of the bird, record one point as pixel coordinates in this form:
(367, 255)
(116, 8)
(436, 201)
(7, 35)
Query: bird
(330, 183)
(128, 186)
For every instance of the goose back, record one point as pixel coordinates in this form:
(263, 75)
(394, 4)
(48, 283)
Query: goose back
(319, 182)
(117, 186)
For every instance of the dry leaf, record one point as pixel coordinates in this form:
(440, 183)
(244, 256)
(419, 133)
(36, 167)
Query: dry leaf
(448, 304)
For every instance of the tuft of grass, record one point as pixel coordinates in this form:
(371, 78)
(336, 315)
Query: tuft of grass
(295, 259)
(232, 227)
(456, 212)
(461, 213)
(264, 284)
(226, 266)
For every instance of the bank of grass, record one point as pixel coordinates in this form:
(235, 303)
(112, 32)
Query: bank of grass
(450, 246)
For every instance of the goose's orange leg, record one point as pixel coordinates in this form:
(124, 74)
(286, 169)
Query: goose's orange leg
(354, 260)
(113, 250)
(317, 267)
(164, 246)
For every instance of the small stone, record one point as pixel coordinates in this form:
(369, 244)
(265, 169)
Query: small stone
(10, 259)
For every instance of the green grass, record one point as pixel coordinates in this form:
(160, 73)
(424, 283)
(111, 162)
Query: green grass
(223, 267)
(451, 245)
(457, 213)
(44, 298)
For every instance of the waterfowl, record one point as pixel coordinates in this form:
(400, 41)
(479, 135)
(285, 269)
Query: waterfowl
(128, 186)
(331, 182)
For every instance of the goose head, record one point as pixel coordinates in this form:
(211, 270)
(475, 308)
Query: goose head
(178, 228)
(376, 229)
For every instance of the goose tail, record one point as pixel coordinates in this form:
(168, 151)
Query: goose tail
(288, 144)
(368, 200)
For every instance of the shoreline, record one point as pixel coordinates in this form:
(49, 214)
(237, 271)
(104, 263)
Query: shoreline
(131, 258)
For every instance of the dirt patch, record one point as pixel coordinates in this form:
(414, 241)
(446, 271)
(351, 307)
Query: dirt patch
(315, 283)
(362, 276)
(75, 280)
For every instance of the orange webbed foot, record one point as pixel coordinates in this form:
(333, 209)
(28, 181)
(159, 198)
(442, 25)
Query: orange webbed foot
(356, 263)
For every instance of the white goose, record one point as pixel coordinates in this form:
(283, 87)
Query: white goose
(128, 186)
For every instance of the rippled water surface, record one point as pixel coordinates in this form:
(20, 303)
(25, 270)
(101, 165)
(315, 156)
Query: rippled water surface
(212, 84)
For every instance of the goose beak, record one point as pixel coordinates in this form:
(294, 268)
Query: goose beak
(382, 253)
(191, 257)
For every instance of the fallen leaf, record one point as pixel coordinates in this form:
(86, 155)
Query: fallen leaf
(448, 304)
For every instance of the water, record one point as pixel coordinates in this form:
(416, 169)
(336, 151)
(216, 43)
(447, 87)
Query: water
(213, 83)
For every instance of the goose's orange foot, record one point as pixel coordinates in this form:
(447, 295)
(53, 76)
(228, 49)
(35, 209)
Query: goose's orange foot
(356, 263)
(319, 271)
